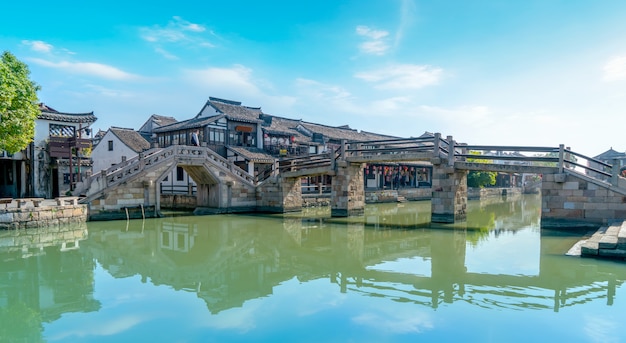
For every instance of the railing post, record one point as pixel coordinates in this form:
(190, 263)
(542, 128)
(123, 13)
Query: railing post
(142, 161)
(615, 172)
(342, 152)
(103, 174)
(561, 157)
(436, 144)
(450, 151)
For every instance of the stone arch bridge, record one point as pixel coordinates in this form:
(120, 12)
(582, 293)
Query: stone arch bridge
(576, 190)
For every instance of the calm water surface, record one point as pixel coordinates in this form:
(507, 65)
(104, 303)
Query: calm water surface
(386, 277)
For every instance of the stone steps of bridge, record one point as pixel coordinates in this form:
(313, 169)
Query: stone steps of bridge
(607, 241)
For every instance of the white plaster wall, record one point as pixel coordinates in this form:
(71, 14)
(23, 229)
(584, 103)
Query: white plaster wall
(103, 158)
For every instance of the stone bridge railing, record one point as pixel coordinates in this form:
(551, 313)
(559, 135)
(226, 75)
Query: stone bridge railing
(531, 159)
(153, 158)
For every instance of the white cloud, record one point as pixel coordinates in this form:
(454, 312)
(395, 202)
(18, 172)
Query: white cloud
(407, 13)
(38, 46)
(165, 53)
(87, 68)
(615, 69)
(376, 44)
(319, 90)
(188, 26)
(237, 78)
(394, 323)
(402, 76)
(176, 31)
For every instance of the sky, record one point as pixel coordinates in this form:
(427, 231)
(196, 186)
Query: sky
(522, 73)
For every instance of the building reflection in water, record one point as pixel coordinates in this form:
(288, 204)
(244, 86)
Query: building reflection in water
(228, 261)
(43, 275)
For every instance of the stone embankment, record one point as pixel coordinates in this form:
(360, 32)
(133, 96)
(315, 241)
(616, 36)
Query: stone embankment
(37, 212)
(608, 241)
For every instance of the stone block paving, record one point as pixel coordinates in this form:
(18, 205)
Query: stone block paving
(607, 241)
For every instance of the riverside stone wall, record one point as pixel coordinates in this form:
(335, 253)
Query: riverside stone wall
(179, 201)
(45, 216)
(569, 202)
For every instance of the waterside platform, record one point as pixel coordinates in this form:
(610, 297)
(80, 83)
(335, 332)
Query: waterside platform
(607, 241)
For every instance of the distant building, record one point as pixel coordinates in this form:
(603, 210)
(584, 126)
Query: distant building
(608, 157)
(117, 145)
(254, 140)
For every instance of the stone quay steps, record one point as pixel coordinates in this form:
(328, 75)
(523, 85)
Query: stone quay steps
(607, 241)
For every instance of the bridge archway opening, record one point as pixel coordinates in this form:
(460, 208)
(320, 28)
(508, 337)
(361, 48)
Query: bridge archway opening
(198, 188)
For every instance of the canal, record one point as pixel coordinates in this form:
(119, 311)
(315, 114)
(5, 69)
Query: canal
(305, 277)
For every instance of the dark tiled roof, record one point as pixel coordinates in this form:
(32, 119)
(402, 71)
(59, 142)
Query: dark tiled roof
(235, 111)
(131, 138)
(610, 154)
(163, 120)
(252, 154)
(50, 113)
(194, 123)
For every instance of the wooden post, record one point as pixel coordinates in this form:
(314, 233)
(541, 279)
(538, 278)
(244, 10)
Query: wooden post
(342, 153)
(436, 144)
(615, 172)
(561, 157)
(450, 151)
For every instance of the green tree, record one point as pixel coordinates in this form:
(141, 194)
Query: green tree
(18, 104)
(480, 179)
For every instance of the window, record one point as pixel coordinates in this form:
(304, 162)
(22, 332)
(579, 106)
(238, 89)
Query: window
(216, 135)
(57, 130)
(179, 174)
(110, 145)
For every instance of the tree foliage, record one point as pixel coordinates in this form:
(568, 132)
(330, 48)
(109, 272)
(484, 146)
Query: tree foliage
(480, 179)
(18, 104)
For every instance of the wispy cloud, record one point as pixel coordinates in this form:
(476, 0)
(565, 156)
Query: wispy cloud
(615, 69)
(402, 76)
(376, 43)
(407, 13)
(177, 31)
(237, 77)
(38, 46)
(319, 90)
(88, 68)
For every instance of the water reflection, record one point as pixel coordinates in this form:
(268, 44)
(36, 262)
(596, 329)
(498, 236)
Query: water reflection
(226, 261)
(43, 276)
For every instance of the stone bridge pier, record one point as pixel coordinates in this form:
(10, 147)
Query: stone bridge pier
(449, 194)
(348, 190)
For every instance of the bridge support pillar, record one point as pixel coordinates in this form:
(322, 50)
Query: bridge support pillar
(449, 198)
(280, 195)
(348, 190)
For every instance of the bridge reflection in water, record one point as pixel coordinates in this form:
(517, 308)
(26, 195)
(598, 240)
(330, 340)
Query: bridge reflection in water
(227, 261)
(498, 259)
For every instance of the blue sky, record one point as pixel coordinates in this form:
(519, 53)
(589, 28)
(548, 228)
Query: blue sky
(533, 72)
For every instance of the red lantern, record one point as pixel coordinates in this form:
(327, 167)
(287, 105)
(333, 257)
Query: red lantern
(293, 138)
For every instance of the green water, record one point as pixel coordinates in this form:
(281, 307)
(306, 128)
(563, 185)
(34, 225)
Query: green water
(385, 277)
